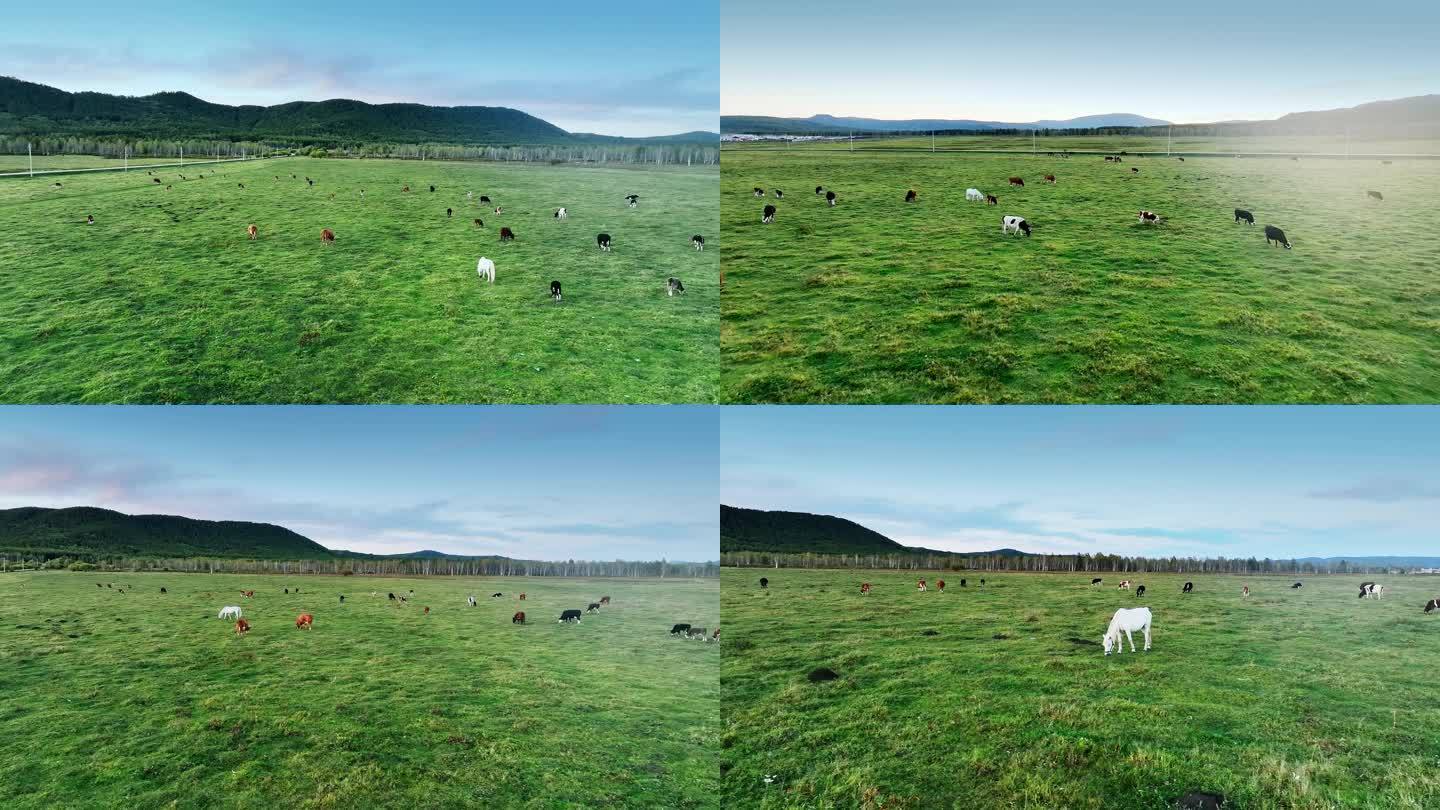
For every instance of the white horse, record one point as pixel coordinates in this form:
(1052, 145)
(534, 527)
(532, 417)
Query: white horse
(974, 195)
(230, 612)
(1127, 620)
(486, 269)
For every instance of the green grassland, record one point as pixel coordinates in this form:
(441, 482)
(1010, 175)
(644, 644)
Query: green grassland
(1113, 144)
(880, 301)
(148, 700)
(1002, 697)
(165, 300)
(21, 163)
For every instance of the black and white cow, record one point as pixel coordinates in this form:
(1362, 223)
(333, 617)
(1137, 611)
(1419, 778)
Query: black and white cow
(764, 583)
(759, 192)
(768, 215)
(1241, 215)
(779, 195)
(1149, 218)
(819, 190)
(680, 630)
(1433, 604)
(1016, 224)
(698, 241)
(1274, 234)
(1139, 591)
(603, 240)
(1096, 581)
(632, 199)
(1297, 585)
(1371, 590)
(593, 607)
(1189, 586)
(674, 287)
(830, 198)
(569, 616)
(555, 290)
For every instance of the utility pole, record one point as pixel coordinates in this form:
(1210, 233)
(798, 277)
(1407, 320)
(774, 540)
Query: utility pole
(127, 158)
(30, 154)
(932, 141)
(1168, 131)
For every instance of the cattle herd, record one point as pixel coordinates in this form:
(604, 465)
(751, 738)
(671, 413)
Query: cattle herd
(1124, 620)
(485, 267)
(1011, 223)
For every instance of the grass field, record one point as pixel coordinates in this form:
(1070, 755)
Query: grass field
(1292, 699)
(164, 300)
(148, 700)
(878, 301)
(1289, 144)
(20, 163)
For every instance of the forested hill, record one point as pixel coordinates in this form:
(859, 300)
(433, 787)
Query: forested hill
(89, 531)
(30, 109)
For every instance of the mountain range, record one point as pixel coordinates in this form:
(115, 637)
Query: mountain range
(1416, 116)
(31, 109)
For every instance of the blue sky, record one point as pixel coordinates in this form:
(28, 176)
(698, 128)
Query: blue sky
(645, 68)
(1231, 481)
(628, 482)
(1050, 59)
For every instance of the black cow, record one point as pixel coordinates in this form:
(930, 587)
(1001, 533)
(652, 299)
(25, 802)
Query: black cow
(162, 590)
(342, 598)
(1375, 195)
(569, 616)
(1139, 591)
(962, 582)
(592, 607)
(830, 197)
(764, 583)
(768, 215)
(1296, 585)
(449, 212)
(910, 195)
(392, 597)
(603, 241)
(982, 582)
(1096, 581)
(1274, 234)
(1189, 586)
(555, 290)
(1241, 215)
(496, 595)
(506, 235)
(679, 629)
(432, 189)
(484, 199)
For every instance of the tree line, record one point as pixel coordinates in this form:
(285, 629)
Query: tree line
(346, 566)
(1063, 563)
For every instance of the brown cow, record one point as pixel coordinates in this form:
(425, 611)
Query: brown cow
(522, 597)
(253, 232)
(241, 627)
(910, 195)
(1017, 181)
(1149, 217)
(921, 585)
(507, 235)
(479, 223)
(427, 610)
(864, 587)
(327, 236)
(940, 585)
(304, 621)
(604, 600)
(406, 189)
(518, 618)
(991, 199)
(1050, 178)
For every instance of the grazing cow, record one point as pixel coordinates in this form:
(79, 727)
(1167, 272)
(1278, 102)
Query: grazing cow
(231, 612)
(427, 610)
(910, 196)
(1139, 591)
(157, 181)
(252, 232)
(162, 590)
(486, 269)
(592, 607)
(498, 209)
(1432, 605)
(1297, 585)
(759, 192)
(327, 237)
(973, 195)
(1127, 621)
(698, 633)
(962, 582)
(864, 587)
(406, 189)
(1245, 592)
(991, 199)
(779, 195)
(830, 198)
(1124, 585)
(1017, 224)
(1050, 178)
(304, 621)
(716, 635)
(248, 594)
(632, 199)
(560, 213)
(496, 595)
(518, 618)
(679, 629)
(89, 219)
(1375, 195)
(241, 627)
(109, 585)
(479, 223)
(764, 583)
(1189, 586)
(1096, 581)
(484, 199)
(1374, 591)
(449, 213)
(698, 241)
(507, 235)
(432, 188)
(1017, 181)
(392, 597)
(603, 240)
(606, 600)
(241, 185)
(342, 598)
(555, 291)
(1149, 218)
(1274, 234)
(287, 590)
(819, 190)
(922, 585)
(569, 616)
(768, 215)
(98, 585)
(1134, 170)
(674, 287)
(1241, 215)
(471, 601)
(940, 585)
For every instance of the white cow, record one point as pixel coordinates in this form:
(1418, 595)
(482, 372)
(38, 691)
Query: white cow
(471, 600)
(486, 269)
(230, 612)
(1127, 621)
(1016, 224)
(560, 214)
(974, 195)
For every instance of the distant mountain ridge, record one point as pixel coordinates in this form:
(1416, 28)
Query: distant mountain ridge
(90, 531)
(28, 108)
(759, 530)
